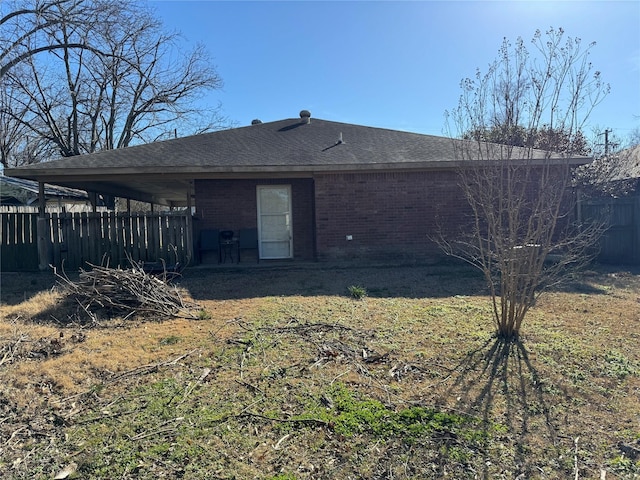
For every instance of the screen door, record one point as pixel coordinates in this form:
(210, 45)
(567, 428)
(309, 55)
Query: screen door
(274, 221)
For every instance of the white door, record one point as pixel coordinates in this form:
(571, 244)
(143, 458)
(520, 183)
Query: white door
(274, 221)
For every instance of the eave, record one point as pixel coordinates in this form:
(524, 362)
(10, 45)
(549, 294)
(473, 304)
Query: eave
(172, 185)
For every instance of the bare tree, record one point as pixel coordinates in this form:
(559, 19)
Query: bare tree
(24, 27)
(133, 84)
(547, 138)
(520, 197)
(11, 133)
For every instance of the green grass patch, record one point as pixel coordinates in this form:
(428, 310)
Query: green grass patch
(170, 340)
(617, 365)
(356, 291)
(349, 415)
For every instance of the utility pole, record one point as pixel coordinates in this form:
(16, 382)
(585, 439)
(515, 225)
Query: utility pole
(607, 144)
(606, 141)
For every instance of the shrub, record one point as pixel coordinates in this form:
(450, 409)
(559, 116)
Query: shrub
(357, 292)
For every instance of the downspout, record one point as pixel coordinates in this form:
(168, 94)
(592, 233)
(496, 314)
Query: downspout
(314, 232)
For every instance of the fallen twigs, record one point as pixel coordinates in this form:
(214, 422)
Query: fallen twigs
(302, 421)
(8, 351)
(295, 326)
(22, 346)
(152, 367)
(141, 370)
(123, 292)
(253, 415)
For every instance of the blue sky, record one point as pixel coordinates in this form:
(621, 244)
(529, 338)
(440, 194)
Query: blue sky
(392, 64)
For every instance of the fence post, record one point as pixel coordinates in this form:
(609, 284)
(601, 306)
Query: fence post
(636, 226)
(44, 235)
(579, 206)
(189, 231)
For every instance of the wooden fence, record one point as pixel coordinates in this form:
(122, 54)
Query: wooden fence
(621, 241)
(18, 242)
(107, 238)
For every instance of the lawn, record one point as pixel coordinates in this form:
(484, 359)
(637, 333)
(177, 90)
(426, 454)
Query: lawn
(324, 373)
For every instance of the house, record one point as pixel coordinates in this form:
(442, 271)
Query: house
(314, 189)
(20, 194)
(613, 175)
(631, 159)
(626, 173)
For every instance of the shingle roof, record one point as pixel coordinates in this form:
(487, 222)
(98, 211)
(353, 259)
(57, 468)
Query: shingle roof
(17, 191)
(628, 163)
(281, 145)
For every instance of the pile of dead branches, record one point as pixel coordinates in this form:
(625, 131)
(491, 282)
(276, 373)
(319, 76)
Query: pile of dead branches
(123, 293)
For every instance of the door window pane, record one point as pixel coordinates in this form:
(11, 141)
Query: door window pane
(274, 220)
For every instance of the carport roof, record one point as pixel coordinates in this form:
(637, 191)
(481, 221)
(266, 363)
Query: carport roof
(162, 172)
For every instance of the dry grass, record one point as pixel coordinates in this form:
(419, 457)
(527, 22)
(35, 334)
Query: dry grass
(285, 375)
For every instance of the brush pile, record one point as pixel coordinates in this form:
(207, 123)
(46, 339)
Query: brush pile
(126, 293)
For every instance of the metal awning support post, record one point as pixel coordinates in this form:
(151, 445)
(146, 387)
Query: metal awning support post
(42, 231)
(93, 198)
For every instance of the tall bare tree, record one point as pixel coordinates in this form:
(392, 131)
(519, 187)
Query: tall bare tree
(520, 197)
(25, 26)
(115, 77)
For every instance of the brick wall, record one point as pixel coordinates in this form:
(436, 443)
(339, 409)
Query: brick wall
(388, 214)
(232, 205)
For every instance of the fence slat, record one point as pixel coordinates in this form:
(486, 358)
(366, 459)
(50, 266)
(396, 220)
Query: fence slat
(136, 237)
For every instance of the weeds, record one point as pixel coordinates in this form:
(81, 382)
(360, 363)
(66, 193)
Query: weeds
(350, 416)
(626, 466)
(357, 292)
(616, 365)
(171, 340)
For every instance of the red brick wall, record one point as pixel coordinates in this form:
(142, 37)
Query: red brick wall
(232, 205)
(388, 214)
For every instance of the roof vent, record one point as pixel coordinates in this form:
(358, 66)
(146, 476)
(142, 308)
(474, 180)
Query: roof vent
(305, 116)
(256, 121)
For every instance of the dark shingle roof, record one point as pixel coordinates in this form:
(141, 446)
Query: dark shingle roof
(282, 145)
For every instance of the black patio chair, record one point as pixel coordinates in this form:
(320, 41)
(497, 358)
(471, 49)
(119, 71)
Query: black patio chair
(209, 241)
(248, 238)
